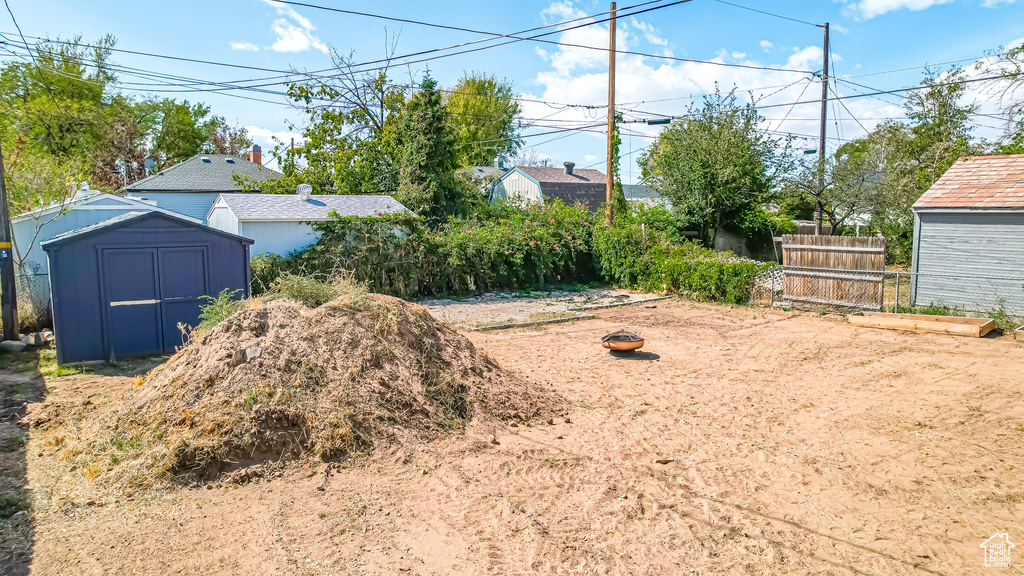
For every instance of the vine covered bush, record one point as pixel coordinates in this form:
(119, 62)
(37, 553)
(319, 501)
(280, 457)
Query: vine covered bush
(399, 254)
(645, 250)
(514, 248)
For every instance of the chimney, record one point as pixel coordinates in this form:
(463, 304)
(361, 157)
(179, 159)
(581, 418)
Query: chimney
(568, 167)
(256, 156)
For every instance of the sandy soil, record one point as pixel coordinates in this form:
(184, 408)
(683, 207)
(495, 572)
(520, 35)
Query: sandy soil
(507, 307)
(799, 445)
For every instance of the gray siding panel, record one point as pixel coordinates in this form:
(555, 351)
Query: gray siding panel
(973, 261)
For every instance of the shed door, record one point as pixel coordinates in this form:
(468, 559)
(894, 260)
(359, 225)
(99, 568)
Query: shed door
(182, 282)
(148, 293)
(132, 292)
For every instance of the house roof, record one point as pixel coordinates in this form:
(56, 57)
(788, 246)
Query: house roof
(126, 218)
(483, 172)
(84, 203)
(203, 173)
(291, 208)
(638, 191)
(978, 182)
(551, 174)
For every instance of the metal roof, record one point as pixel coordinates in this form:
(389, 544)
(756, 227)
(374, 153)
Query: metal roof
(978, 182)
(292, 208)
(125, 218)
(203, 173)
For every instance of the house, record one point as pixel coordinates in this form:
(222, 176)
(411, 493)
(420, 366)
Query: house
(191, 187)
(279, 223)
(31, 229)
(133, 284)
(642, 194)
(968, 249)
(535, 184)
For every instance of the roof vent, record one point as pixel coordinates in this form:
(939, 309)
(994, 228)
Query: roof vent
(229, 160)
(205, 159)
(83, 192)
(303, 190)
(568, 167)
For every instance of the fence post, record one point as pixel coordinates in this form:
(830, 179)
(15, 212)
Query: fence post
(897, 292)
(771, 297)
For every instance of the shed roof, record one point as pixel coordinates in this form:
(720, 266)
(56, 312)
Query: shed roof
(638, 192)
(126, 218)
(978, 182)
(546, 174)
(203, 173)
(291, 208)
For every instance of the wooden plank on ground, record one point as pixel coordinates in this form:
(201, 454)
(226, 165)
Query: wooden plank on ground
(972, 327)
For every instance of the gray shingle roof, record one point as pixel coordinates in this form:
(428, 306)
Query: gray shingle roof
(638, 191)
(544, 174)
(203, 173)
(290, 208)
(125, 217)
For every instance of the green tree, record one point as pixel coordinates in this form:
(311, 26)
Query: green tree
(428, 185)
(716, 165)
(483, 118)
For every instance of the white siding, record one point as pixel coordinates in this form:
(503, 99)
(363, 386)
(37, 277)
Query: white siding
(277, 237)
(517, 187)
(223, 219)
(970, 260)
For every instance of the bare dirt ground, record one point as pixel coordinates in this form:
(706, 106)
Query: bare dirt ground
(799, 445)
(509, 307)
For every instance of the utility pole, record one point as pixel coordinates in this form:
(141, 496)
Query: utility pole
(610, 178)
(8, 290)
(821, 143)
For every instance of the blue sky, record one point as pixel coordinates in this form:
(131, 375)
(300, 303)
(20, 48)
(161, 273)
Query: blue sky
(868, 37)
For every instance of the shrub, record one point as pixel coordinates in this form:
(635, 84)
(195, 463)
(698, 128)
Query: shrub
(214, 310)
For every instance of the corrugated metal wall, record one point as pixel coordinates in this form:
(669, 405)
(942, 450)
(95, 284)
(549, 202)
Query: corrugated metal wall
(970, 260)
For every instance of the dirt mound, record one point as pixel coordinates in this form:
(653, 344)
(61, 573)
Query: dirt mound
(280, 380)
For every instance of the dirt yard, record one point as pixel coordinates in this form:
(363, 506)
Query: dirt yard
(794, 444)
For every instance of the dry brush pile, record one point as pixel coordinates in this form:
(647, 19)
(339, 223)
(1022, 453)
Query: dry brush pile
(278, 381)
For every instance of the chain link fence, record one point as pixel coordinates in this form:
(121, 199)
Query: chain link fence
(848, 291)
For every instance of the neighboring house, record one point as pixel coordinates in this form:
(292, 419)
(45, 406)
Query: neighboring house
(484, 177)
(33, 228)
(279, 223)
(191, 187)
(644, 195)
(133, 285)
(535, 184)
(969, 237)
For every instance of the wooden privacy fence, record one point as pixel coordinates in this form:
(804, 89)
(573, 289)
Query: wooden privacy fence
(833, 271)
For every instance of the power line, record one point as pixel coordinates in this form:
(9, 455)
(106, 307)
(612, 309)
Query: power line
(768, 13)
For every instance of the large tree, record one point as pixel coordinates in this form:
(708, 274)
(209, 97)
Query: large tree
(427, 179)
(716, 165)
(483, 118)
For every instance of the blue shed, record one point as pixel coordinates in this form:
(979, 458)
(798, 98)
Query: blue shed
(121, 287)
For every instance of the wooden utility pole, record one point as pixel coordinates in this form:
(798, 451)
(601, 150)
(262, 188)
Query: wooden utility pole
(8, 290)
(610, 177)
(821, 142)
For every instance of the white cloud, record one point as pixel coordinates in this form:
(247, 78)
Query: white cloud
(245, 46)
(294, 31)
(994, 3)
(649, 33)
(739, 55)
(843, 29)
(868, 9)
(766, 45)
(589, 157)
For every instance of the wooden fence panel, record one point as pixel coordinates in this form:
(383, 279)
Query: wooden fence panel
(834, 272)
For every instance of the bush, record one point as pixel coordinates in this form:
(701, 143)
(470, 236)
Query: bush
(214, 310)
(638, 253)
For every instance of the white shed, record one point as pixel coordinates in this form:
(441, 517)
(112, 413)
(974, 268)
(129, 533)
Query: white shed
(280, 223)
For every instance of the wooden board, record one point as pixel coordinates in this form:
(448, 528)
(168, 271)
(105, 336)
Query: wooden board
(974, 327)
(1019, 334)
